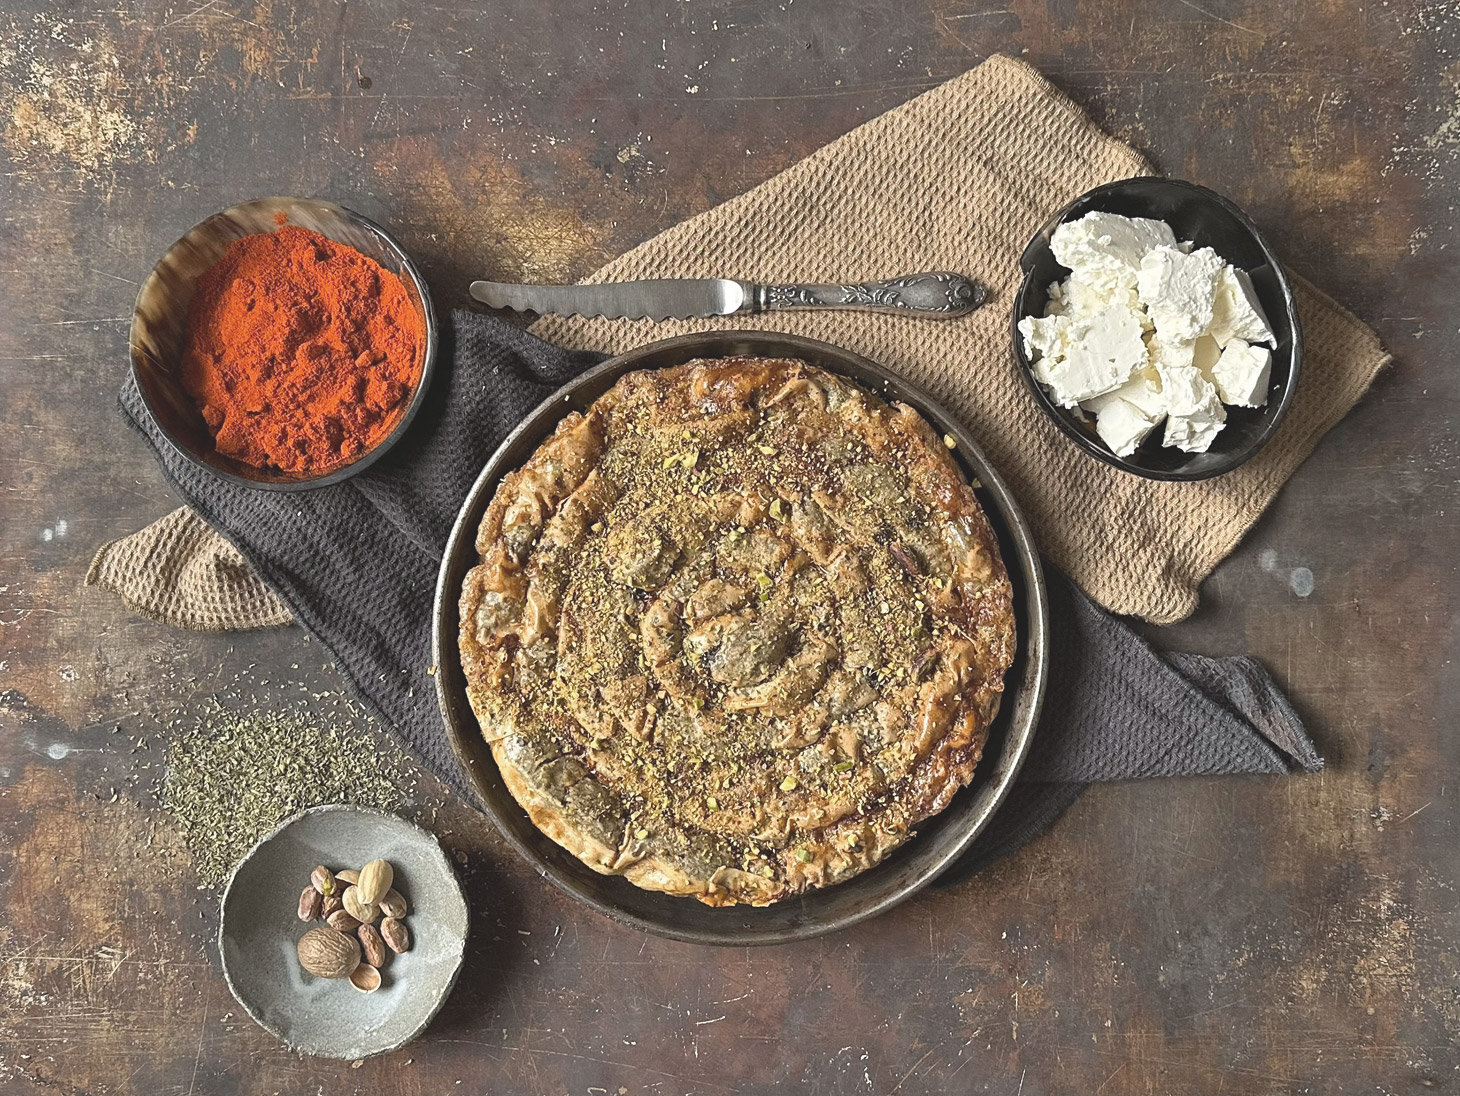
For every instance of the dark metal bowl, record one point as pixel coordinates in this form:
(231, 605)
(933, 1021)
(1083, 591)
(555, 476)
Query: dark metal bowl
(939, 841)
(159, 327)
(1204, 216)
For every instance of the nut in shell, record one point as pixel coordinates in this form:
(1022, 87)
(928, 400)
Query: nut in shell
(328, 954)
(323, 880)
(372, 945)
(356, 906)
(341, 921)
(393, 904)
(349, 876)
(375, 880)
(309, 904)
(365, 978)
(395, 934)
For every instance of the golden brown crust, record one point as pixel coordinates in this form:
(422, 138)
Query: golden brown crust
(736, 629)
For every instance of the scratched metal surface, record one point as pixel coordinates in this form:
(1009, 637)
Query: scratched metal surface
(1205, 936)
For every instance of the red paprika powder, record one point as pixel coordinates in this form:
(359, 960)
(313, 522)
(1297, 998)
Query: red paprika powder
(302, 353)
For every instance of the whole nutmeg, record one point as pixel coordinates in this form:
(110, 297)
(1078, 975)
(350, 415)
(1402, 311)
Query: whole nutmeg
(393, 904)
(395, 934)
(330, 904)
(356, 906)
(309, 903)
(329, 954)
(349, 875)
(323, 880)
(372, 945)
(341, 921)
(375, 880)
(365, 978)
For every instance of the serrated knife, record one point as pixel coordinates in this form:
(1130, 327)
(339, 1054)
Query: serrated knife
(935, 295)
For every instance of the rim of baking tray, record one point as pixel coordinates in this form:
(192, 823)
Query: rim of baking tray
(912, 867)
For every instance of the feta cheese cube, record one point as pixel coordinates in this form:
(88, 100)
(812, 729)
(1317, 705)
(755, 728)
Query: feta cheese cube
(1168, 353)
(1195, 412)
(1204, 355)
(1236, 312)
(1241, 375)
(1082, 296)
(1194, 433)
(1186, 391)
(1102, 353)
(1143, 392)
(1107, 248)
(1045, 336)
(1180, 290)
(1122, 426)
(1126, 416)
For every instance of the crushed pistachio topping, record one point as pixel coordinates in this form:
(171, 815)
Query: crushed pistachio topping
(754, 580)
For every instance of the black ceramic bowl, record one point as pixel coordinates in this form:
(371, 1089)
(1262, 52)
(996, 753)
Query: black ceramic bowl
(160, 319)
(939, 841)
(1205, 217)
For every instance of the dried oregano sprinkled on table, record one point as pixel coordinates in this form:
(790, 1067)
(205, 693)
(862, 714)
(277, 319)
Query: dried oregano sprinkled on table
(234, 776)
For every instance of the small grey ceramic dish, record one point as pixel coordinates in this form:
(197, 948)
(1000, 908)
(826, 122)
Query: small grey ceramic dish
(159, 324)
(1210, 220)
(940, 840)
(260, 930)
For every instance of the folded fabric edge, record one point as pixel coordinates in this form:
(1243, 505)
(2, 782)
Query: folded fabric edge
(1244, 685)
(266, 610)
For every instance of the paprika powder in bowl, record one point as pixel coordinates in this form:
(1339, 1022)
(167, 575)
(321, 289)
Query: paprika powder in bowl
(284, 344)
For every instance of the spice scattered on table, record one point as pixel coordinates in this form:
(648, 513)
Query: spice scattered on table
(301, 353)
(234, 777)
(353, 946)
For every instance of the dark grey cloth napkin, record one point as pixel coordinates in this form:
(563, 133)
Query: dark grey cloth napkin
(357, 564)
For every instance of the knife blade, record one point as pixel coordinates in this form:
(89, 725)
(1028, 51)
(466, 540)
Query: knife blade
(935, 295)
(656, 299)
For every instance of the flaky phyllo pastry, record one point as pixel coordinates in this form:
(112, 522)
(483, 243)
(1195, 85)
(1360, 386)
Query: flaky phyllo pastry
(736, 630)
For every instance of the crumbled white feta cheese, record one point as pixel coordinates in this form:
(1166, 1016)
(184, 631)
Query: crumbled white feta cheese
(1186, 391)
(1194, 411)
(1204, 355)
(1082, 297)
(1126, 416)
(1106, 249)
(1122, 426)
(1194, 433)
(1236, 312)
(1045, 336)
(1143, 392)
(1135, 335)
(1179, 290)
(1242, 373)
(1168, 353)
(1101, 353)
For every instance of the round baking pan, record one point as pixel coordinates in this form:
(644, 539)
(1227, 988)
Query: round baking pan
(938, 842)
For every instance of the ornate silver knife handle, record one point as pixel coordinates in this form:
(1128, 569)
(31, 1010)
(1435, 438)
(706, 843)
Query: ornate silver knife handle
(934, 295)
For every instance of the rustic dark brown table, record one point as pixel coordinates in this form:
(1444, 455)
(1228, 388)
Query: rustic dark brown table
(1203, 936)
